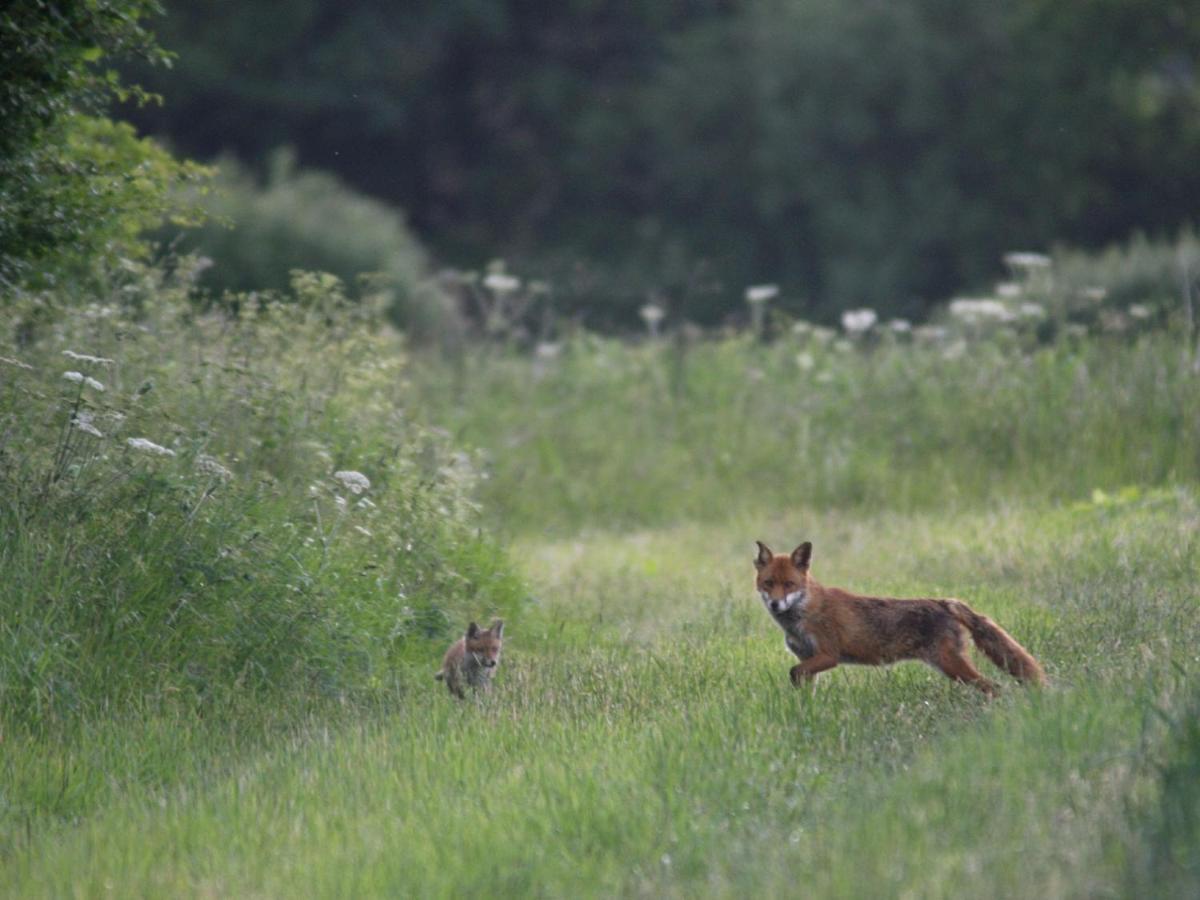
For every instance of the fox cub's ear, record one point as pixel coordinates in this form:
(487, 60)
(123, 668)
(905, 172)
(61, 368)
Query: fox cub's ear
(764, 555)
(497, 628)
(472, 630)
(801, 555)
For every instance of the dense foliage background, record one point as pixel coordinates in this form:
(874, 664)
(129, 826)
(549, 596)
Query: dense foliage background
(877, 153)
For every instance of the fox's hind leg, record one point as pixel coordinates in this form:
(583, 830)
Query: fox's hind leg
(953, 663)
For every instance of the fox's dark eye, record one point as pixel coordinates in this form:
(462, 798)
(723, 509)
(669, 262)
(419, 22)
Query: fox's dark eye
(768, 584)
(788, 585)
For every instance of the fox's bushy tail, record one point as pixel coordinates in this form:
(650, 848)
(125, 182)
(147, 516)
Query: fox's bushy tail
(998, 644)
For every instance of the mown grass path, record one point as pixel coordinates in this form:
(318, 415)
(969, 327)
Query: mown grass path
(643, 739)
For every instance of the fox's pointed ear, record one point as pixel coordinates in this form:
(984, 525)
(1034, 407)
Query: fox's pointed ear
(764, 555)
(497, 627)
(472, 630)
(801, 555)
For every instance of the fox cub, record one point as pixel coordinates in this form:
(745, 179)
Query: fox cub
(827, 626)
(471, 660)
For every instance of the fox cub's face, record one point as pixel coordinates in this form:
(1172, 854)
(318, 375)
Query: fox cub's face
(782, 580)
(484, 646)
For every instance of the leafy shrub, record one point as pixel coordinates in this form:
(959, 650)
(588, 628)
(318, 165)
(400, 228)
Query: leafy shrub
(259, 233)
(76, 189)
(196, 506)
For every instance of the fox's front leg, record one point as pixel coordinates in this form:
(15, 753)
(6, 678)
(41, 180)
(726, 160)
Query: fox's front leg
(805, 672)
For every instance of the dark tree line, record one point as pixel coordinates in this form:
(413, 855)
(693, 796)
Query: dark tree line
(883, 152)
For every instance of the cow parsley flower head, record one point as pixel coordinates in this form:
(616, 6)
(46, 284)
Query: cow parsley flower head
(80, 378)
(972, 311)
(652, 314)
(1140, 311)
(501, 282)
(900, 326)
(83, 421)
(87, 358)
(1026, 261)
(210, 465)
(145, 445)
(355, 482)
(858, 321)
(761, 293)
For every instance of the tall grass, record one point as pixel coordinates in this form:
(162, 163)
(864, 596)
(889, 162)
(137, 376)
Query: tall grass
(682, 763)
(608, 434)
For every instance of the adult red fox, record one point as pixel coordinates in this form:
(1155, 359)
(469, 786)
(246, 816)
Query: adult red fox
(826, 626)
(472, 659)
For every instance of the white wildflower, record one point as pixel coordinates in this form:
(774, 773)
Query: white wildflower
(87, 358)
(980, 310)
(1140, 311)
(761, 293)
(1095, 294)
(80, 378)
(365, 503)
(1007, 290)
(801, 328)
(148, 446)
(1031, 311)
(1076, 329)
(210, 465)
(501, 282)
(363, 531)
(900, 326)
(341, 502)
(857, 321)
(1026, 261)
(83, 420)
(16, 362)
(547, 350)
(652, 314)
(805, 361)
(355, 482)
(930, 334)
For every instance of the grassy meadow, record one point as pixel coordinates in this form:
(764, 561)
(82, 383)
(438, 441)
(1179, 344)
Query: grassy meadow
(216, 657)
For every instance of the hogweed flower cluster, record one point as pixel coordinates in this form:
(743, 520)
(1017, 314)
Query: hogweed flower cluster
(83, 420)
(757, 296)
(145, 445)
(88, 358)
(210, 465)
(354, 482)
(80, 378)
(652, 314)
(859, 321)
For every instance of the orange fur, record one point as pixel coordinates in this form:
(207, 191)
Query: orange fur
(471, 661)
(825, 627)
